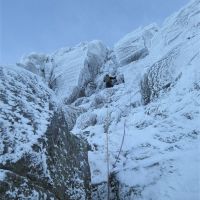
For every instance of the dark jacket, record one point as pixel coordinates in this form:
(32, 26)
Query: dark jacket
(109, 80)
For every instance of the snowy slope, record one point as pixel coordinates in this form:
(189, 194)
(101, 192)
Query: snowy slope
(160, 154)
(154, 115)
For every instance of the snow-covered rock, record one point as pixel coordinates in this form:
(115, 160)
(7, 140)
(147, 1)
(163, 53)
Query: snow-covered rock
(178, 39)
(41, 65)
(39, 158)
(70, 72)
(159, 156)
(71, 114)
(25, 112)
(160, 77)
(135, 45)
(150, 122)
(78, 68)
(183, 25)
(86, 120)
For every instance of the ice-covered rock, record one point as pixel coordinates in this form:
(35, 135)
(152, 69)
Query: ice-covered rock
(183, 25)
(160, 77)
(77, 68)
(178, 39)
(150, 122)
(41, 65)
(160, 139)
(135, 45)
(69, 71)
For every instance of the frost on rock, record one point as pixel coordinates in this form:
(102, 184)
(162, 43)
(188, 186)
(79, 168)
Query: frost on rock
(77, 69)
(135, 45)
(42, 65)
(183, 25)
(39, 158)
(70, 72)
(18, 187)
(159, 77)
(177, 38)
(24, 114)
(150, 122)
(86, 120)
(159, 156)
(71, 114)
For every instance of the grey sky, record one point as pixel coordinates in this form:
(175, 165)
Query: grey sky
(46, 25)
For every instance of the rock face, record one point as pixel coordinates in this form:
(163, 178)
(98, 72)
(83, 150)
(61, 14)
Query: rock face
(178, 39)
(14, 186)
(159, 77)
(41, 65)
(156, 111)
(150, 122)
(135, 45)
(67, 161)
(39, 158)
(69, 70)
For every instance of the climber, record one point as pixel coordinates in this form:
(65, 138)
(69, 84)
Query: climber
(109, 80)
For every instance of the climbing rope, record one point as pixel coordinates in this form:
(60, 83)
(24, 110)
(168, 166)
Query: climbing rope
(108, 169)
(106, 127)
(120, 145)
